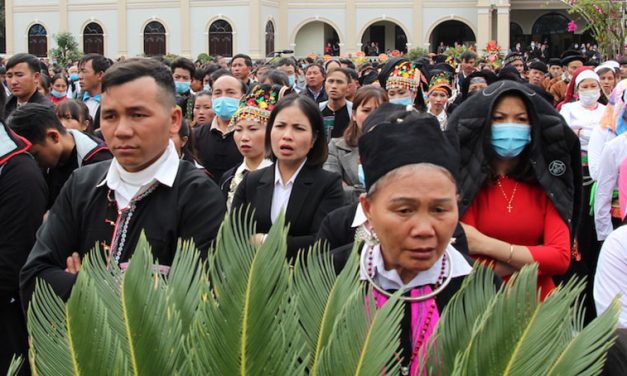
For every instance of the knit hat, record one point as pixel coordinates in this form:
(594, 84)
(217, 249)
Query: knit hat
(538, 65)
(415, 138)
(555, 61)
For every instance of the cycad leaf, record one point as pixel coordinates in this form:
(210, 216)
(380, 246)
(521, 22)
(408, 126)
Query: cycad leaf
(321, 297)
(184, 283)
(547, 332)
(499, 328)
(15, 366)
(364, 340)
(252, 327)
(586, 353)
(464, 309)
(96, 348)
(50, 352)
(153, 329)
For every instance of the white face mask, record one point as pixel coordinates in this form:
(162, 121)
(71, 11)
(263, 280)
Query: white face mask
(589, 97)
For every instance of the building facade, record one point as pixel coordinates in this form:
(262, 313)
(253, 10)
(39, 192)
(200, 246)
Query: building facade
(259, 27)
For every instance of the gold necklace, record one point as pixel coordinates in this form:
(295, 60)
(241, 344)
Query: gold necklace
(509, 200)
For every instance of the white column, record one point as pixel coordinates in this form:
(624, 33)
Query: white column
(502, 34)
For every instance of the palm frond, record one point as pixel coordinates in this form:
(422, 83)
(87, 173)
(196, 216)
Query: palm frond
(16, 364)
(99, 352)
(547, 332)
(465, 308)
(152, 327)
(587, 352)
(364, 340)
(321, 297)
(252, 327)
(50, 352)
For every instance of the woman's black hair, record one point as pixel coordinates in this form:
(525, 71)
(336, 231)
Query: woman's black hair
(523, 171)
(318, 153)
(60, 76)
(77, 110)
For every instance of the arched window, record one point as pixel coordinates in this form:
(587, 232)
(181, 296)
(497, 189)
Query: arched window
(38, 40)
(552, 23)
(221, 39)
(93, 39)
(269, 37)
(154, 39)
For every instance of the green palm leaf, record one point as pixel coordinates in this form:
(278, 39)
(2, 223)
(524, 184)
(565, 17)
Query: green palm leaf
(322, 296)
(51, 353)
(152, 327)
(364, 340)
(252, 326)
(15, 366)
(466, 307)
(586, 353)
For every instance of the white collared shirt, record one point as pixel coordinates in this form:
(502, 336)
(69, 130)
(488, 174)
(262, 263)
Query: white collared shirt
(126, 184)
(92, 106)
(391, 280)
(614, 152)
(282, 192)
(611, 274)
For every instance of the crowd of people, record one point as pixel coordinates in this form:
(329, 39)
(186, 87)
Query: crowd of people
(432, 165)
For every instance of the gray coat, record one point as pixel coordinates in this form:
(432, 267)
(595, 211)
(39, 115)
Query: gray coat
(344, 160)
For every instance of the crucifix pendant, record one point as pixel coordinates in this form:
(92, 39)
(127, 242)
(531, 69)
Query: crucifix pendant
(509, 208)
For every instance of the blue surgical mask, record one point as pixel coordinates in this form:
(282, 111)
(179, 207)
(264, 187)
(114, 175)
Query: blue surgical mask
(182, 86)
(361, 175)
(206, 88)
(225, 107)
(510, 139)
(403, 101)
(58, 94)
(74, 77)
(291, 79)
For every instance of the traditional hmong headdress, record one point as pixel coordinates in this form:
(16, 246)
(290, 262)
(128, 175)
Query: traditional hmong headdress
(257, 105)
(441, 81)
(404, 75)
(513, 57)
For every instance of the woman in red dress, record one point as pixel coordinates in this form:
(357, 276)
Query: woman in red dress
(518, 204)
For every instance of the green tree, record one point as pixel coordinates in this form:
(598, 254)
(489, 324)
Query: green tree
(606, 21)
(416, 53)
(67, 49)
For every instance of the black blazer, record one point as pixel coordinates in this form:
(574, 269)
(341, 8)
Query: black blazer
(315, 193)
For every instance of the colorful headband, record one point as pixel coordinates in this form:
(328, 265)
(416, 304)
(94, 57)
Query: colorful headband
(512, 57)
(256, 106)
(441, 80)
(404, 76)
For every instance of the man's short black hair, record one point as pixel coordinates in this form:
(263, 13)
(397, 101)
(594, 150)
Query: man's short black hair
(32, 120)
(348, 62)
(346, 72)
(353, 73)
(199, 74)
(31, 60)
(131, 69)
(468, 55)
(98, 62)
(247, 60)
(324, 72)
(286, 61)
(184, 63)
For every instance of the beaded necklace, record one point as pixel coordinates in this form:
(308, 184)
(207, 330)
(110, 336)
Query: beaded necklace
(124, 217)
(420, 334)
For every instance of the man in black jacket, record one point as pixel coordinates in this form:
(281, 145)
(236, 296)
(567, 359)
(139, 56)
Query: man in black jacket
(23, 197)
(145, 188)
(23, 72)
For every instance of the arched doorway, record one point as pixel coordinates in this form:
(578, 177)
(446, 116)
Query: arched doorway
(93, 39)
(553, 28)
(317, 37)
(38, 40)
(516, 35)
(449, 33)
(154, 39)
(386, 35)
(269, 38)
(221, 39)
